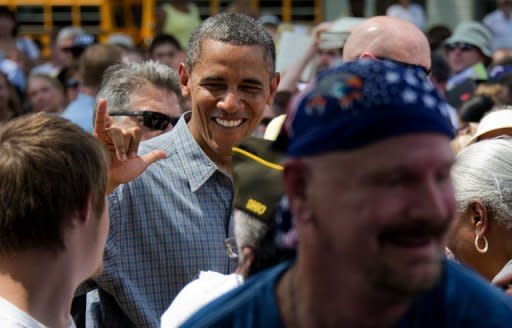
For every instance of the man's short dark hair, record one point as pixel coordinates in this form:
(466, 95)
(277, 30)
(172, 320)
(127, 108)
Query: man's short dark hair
(95, 60)
(233, 28)
(49, 169)
(161, 39)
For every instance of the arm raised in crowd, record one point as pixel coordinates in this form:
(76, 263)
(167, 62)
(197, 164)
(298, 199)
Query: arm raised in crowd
(292, 75)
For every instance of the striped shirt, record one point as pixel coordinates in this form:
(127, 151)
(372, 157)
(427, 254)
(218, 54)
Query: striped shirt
(166, 226)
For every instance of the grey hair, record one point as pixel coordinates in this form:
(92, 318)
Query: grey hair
(69, 32)
(248, 229)
(484, 171)
(232, 28)
(121, 81)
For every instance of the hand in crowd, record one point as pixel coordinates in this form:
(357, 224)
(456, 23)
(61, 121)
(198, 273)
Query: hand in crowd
(318, 29)
(505, 283)
(122, 142)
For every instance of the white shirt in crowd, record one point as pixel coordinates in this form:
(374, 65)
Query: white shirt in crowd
(13, 317)
(198, 293)
(501, 29)
(414, 14)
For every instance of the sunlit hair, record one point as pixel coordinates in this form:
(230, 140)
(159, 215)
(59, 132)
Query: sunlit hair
(49, 169)
(483, 171)
(122, 81)
(232, 28)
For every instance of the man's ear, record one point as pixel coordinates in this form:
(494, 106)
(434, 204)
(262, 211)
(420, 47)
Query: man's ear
(366, 55)
(274, 83)
(184, 76)
(479, 216)
(296, 183)
(84, 214)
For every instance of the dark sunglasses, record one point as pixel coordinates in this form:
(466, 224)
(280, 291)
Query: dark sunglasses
(461, 45)
(151, 120)
(425, 70)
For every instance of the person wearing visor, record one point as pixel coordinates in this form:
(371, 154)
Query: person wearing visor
(154, 101)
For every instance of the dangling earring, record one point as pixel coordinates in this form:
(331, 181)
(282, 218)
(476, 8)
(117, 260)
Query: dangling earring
(486, 244)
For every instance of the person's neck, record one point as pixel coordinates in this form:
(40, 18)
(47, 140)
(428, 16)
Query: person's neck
(221, 158)
(496, 258)
(47, 298)
(313, 296)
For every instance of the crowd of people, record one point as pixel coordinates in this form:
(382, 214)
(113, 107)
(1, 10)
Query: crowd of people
(195, 185)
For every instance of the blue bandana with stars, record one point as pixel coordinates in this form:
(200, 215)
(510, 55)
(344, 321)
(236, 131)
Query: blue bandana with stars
(362, 102)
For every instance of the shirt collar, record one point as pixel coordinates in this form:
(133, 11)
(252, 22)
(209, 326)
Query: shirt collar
(198, 167)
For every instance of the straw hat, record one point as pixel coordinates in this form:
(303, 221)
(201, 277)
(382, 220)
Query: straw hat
(495, 123)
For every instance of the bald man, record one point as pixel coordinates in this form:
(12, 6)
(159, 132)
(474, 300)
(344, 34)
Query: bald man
(391, 38)
(394, 39)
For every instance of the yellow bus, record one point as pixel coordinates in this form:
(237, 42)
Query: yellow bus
(40, 19)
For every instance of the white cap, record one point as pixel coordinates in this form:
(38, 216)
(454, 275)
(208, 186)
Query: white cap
(499, 122)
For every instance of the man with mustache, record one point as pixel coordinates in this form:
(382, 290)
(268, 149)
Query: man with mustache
(368, 184)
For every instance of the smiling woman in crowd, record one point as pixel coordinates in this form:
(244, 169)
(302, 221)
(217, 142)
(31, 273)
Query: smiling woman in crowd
(45, 94)
(481, 235)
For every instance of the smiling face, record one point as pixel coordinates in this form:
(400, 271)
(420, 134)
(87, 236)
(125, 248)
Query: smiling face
(229, 86)
(382, 211)
(45, 97)
(460, 59)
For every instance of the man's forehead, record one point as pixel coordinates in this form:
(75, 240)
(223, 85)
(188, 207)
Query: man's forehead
(394, 152)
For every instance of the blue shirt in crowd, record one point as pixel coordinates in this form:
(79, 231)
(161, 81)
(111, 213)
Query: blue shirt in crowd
(81, 112)
(166, 226)
(460, 299)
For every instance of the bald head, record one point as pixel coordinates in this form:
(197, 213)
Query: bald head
(388, 37)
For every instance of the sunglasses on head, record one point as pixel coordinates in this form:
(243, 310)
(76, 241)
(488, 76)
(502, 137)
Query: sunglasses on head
(151, 120)
(461, 45)
(425, 70)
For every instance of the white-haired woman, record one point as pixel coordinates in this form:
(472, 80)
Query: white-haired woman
(481, 236)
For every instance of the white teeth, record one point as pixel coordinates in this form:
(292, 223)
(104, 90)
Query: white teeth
(228, 124)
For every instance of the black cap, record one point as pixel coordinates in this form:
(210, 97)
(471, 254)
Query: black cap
(257, 178)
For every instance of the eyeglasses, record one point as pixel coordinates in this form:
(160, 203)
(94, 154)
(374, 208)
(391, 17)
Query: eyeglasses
(461, 45)
(151, 120)
(425, 70)
(231, 248)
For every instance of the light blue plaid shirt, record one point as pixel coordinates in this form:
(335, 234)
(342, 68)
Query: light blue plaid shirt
(166, 226)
